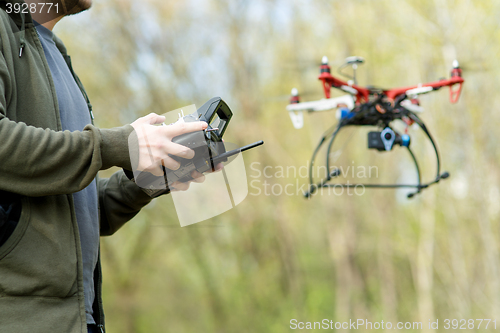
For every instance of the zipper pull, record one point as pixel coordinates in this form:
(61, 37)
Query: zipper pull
(90, 109)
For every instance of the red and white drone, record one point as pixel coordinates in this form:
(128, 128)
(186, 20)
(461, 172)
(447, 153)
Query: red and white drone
(369, 106)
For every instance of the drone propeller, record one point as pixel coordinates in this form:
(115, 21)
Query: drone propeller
(469, 66)
(354, 62)
(310, 94)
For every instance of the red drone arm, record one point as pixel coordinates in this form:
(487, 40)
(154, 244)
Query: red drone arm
(330, 81)
(454, 94)
(362, 94)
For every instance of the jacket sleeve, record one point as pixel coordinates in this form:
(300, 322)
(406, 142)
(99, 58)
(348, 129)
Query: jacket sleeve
(120, 199)
(40, 162)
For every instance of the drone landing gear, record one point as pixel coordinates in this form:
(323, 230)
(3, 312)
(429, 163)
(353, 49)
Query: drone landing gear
(382, 141)
(336, 173)
(313, 188)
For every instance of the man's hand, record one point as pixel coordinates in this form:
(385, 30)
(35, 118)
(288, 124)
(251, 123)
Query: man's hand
(197, 178)
(155, 144)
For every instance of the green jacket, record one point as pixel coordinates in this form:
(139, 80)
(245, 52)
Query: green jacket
(41, 285)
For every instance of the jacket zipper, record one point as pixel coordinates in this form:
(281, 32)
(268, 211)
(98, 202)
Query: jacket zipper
(80, 85)
(98, 310)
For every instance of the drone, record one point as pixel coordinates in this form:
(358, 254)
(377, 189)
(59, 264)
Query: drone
(370, 106)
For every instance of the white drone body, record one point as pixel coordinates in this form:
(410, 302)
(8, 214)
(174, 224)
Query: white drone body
(296, 110)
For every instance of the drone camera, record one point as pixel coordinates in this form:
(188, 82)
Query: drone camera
(388, 136)
(375, 141)
(385, 139)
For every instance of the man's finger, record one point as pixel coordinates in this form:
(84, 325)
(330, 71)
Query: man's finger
(197, 177)
(217, 168)
(154, 169)
(181, 128)
(179, 186)
(151, 119)
(179, 150)
(170, 163)
(155, 119)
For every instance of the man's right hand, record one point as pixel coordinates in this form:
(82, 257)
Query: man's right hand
(155, 143)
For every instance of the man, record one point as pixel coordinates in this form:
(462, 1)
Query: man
(52, 206)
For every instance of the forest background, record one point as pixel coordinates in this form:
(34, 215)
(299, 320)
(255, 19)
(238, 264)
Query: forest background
(276, 257)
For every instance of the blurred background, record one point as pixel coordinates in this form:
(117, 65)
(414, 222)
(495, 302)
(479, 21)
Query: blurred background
(276, 257)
